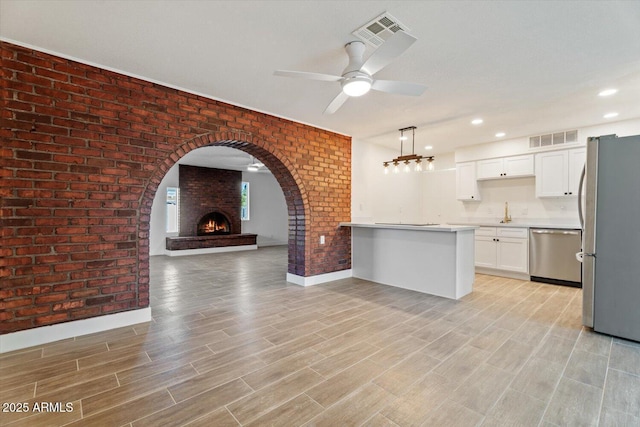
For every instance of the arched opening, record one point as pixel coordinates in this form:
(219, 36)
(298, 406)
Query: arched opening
(282, 172)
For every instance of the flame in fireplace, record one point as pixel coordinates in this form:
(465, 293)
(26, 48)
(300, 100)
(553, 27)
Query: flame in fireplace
(212, 227)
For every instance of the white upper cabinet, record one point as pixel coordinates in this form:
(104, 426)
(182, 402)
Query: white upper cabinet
(577, 158)
(506, 167)
(558, 172)
(466, 182)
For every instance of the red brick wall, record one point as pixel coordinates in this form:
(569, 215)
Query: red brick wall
(204, 190)
(83, 152)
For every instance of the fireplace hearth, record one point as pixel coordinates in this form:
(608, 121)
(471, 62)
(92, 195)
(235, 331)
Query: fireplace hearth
(214, 223)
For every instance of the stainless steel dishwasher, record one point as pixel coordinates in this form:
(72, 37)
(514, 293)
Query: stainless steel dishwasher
(552, 256)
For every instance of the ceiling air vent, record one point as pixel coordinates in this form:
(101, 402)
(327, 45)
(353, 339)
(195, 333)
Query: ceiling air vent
(550, 139)
(379, 29)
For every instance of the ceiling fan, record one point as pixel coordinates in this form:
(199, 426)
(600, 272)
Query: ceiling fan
(357, 79)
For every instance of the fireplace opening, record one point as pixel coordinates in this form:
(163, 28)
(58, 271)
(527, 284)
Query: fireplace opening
(214, 223)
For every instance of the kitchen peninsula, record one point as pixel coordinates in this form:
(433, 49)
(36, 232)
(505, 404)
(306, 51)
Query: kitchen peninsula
(436, 259)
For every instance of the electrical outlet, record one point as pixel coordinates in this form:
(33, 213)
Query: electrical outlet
(322, 240)
(525, 211)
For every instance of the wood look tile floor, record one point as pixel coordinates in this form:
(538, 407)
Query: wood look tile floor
(231, 343)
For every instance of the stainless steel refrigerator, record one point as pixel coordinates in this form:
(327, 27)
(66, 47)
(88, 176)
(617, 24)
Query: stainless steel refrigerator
(610, 215)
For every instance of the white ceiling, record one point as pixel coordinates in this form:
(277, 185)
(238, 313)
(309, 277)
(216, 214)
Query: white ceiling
(525, 67)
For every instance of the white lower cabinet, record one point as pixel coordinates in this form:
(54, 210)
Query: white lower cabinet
(502, 248)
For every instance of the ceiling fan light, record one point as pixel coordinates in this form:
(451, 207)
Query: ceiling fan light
(356, 85)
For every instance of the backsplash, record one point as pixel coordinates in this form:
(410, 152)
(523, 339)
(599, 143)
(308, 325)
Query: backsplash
(524, 206)
(439, 202)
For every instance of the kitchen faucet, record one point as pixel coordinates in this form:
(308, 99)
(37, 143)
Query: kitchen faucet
(507, 217)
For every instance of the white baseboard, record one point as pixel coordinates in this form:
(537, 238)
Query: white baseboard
(46, 334)
(184, 252)
(320, 278)
(503, 273)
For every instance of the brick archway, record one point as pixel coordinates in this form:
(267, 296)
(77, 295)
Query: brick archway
(282, 170)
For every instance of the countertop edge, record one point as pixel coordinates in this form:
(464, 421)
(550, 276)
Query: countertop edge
(450, 228)
(522, 225)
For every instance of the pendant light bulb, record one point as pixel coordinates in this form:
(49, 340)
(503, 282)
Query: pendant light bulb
(430, 166)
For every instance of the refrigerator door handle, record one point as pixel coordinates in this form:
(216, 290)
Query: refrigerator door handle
(580, 255)
(580, 185)
(569, 233)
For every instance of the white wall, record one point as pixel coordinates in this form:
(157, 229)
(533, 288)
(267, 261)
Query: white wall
(515, 146)
(268, 211)
(430, 196)
(377, 197)
(157, 233)
(268, 215)
(439, 189)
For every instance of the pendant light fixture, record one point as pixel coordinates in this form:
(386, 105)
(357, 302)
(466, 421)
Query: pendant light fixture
(254, 166)
(404, 160)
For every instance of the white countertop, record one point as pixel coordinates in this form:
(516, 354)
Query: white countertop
(450, 228)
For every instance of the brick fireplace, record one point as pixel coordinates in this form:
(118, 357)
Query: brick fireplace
(205, 191)
(209, 210)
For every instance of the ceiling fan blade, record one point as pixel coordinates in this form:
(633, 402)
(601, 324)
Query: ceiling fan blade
(336, 103)
(308, 76)
(387, 52)
(400, 88)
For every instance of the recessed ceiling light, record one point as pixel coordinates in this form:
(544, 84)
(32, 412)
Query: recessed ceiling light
(608, 92)
(476, 121)
(428, 147)
(500, 134)
(610, 115)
